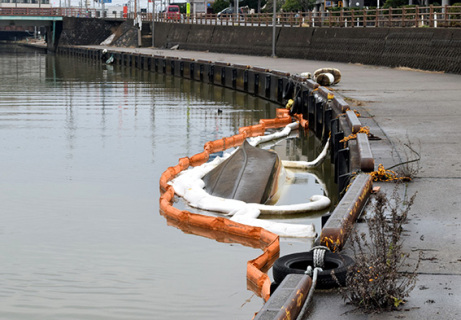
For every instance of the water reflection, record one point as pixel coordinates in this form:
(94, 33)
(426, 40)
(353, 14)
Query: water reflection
(83, 146)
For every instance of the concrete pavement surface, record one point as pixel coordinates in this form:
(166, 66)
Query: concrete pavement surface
(401, 106)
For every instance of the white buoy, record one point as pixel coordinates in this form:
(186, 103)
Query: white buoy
(325, 79)
(335, 72)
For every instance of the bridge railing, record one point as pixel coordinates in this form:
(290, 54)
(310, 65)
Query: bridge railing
(63, 12)
(431, 16)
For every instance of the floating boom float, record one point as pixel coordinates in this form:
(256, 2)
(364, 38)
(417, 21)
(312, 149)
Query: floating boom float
(257, 278)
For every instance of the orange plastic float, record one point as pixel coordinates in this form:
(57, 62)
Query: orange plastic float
(220, 228)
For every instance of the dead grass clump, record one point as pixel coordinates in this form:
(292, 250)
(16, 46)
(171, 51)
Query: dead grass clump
(411, 153)
(377, 283)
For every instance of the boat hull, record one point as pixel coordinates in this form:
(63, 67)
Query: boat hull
(249, 175)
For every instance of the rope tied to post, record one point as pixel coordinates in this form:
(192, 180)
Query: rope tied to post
(318, 257)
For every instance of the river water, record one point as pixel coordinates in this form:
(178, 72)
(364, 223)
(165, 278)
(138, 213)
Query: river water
(82, 148)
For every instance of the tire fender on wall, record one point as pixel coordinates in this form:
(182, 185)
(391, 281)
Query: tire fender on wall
(334, 273)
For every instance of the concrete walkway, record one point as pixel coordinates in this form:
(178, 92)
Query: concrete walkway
(400, 106)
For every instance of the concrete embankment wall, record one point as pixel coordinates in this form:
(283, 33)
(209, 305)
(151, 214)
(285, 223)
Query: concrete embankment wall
(91, 31)
(434, 49)
(86, 31)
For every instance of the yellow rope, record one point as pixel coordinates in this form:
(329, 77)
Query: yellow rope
(384, 175)
(349, 109)
(354, 135)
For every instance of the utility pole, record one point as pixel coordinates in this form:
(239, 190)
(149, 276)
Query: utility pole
(135, 9)
(153, 23)
(138, 20)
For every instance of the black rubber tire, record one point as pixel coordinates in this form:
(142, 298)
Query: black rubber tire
(337, 264)
(297, 105)
(274, 286)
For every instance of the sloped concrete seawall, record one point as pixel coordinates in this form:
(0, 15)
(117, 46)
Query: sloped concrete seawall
(93, 31)
(433, 49)
(86, 31)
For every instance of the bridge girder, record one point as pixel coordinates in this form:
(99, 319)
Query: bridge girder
(28, 21)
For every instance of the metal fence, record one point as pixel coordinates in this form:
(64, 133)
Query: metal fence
(431, 16)
(51, 12)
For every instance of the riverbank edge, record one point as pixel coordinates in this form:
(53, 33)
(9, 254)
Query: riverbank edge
(430, 49)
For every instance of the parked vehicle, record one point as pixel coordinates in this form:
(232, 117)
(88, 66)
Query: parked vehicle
(228, 12)
(172, 13)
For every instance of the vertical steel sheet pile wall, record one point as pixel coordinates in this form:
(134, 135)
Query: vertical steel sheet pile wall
(328, 117)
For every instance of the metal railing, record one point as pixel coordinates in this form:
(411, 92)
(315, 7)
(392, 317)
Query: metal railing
(431, 16)
(51, 12)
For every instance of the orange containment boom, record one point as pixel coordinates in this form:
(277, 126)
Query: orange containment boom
(220, 227)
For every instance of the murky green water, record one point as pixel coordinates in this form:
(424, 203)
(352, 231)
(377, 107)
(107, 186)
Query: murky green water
(82, 148)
